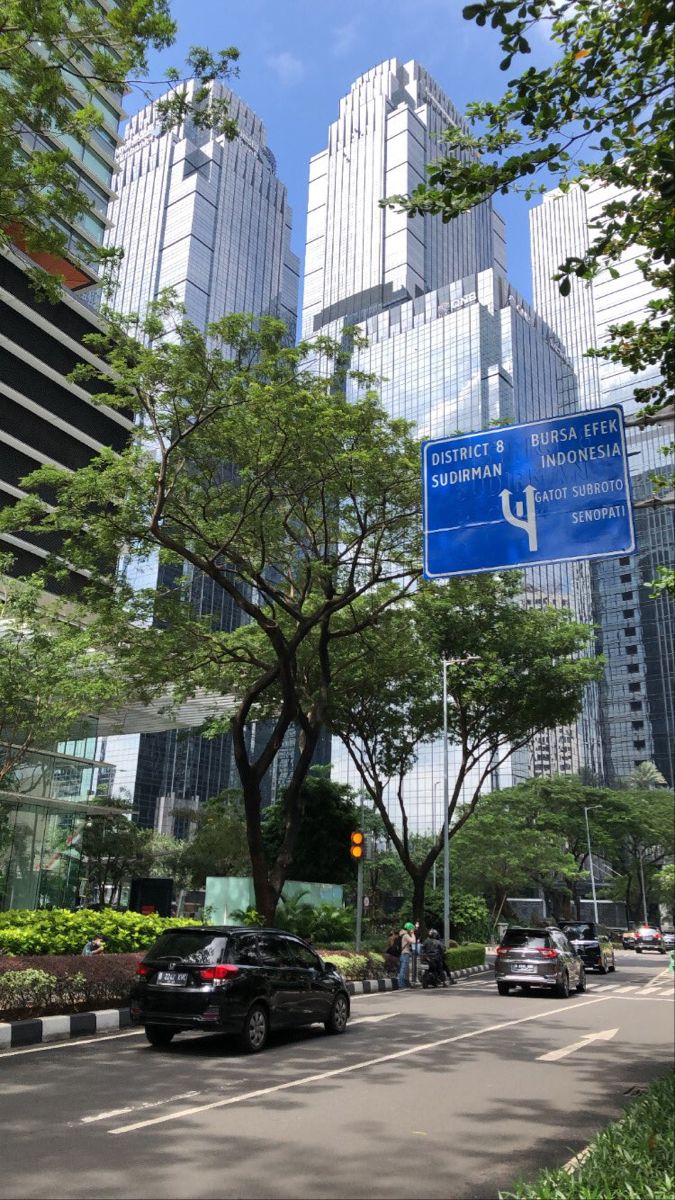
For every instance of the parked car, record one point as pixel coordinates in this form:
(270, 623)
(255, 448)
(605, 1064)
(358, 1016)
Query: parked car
(628, 939)
(648, 938)
(593, 943)
(238, 980)
(539, 958)
(669, 939)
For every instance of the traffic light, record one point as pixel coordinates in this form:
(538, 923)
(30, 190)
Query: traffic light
(356, 844)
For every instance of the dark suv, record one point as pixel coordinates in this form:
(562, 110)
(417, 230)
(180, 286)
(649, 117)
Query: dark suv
(538, 958)
(593, 943)
(648, 938)
(235, 980)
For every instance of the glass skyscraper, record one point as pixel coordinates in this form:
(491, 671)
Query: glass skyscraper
(209, 218)
(635, 632)
(454, 345)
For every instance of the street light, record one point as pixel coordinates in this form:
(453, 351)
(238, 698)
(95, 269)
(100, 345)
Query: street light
(590, 858)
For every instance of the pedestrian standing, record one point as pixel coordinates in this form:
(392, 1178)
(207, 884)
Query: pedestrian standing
(407, 936)
(96, 945)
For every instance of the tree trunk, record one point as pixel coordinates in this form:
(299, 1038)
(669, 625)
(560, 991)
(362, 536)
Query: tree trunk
(419, 882)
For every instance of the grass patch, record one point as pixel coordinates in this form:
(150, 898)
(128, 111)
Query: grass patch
(633, 1158)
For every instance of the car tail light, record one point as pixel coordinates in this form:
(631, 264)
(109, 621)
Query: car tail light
(143, 969)
(657, 937)
(502, 950)
(547, 953)
(222, 971)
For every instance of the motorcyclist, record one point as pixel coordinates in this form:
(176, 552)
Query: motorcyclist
(433, 953)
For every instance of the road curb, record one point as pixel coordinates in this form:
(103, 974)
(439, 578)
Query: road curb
(367, 987)
(60, 1028)
(37, 1030)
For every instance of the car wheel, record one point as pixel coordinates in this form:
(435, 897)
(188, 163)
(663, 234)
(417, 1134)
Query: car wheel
(638, 949)
(339, 1015)
(158, 1035)
(603, 967)
(503, 988)
(613, 966)
(255, 1029)
(661, 951)
(563, 987)
(581, 986)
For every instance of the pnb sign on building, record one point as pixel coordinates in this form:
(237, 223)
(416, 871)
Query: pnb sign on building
(548, 491)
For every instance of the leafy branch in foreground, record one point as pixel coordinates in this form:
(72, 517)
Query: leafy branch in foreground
(604, 112)
(64, 67)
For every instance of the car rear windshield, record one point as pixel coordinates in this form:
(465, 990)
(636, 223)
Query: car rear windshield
(585, 933)
(188, 946)
(525, 937)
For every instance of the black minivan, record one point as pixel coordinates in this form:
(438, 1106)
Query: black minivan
(593, 943)
(234, 979)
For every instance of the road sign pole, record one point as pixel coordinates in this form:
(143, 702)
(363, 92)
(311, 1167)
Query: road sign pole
(446, 805)
(359, 890)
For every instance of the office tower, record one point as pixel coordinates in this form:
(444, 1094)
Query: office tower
(209, 218)
(46, 418)
(205, 216)
(635, 631)
(454, 345)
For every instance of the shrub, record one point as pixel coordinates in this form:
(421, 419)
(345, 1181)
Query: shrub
(58, 931)
(64, 983)
(631, 1158)
(465, 956)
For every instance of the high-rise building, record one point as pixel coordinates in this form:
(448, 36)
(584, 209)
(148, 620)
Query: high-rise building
(45, 418)
(635, 631)
(210, 219)
(454, 345)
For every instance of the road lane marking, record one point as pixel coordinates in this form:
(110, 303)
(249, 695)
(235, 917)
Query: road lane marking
(358, 1066)
(74, 1042)
(372, 1020)
(605, 1035)
(633, 987)
(117, 1112)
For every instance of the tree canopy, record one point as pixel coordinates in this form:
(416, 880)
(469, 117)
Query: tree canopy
(329, 815)
(321, 512)
(511, 672)
(60, 63)
(602, 112)
(51, 676)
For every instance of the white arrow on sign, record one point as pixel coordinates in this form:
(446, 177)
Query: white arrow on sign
(605, 1035)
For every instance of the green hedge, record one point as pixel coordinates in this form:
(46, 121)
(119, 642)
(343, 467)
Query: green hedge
(632, 1158)
(58, 931)
(470, 955)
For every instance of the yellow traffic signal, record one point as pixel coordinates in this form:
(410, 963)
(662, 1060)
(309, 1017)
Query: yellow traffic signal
(356, 844)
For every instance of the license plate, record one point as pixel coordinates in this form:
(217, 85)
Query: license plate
(527, 968)
(178, 979)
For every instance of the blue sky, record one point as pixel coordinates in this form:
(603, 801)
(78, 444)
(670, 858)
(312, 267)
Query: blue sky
(298, 57)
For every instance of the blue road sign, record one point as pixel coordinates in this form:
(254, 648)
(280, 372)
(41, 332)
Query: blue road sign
(549, 491)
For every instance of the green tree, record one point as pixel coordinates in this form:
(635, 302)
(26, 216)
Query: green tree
(51, 676)
(602, 112)
(114, 850)
(513, 840)
(58, 58)
(512, 671)
(643, 839)
(322, 510)
(329, 815)
(218, 846)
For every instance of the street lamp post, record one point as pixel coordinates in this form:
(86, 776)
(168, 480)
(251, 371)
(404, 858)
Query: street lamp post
(644, 891)
(446, 806)
(590, 860)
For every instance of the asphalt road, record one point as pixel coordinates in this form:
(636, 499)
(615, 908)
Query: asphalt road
(428, 1094)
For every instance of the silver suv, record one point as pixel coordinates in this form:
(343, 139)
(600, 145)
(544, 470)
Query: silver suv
(541, 958)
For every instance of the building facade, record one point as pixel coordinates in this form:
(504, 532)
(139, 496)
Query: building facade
(45, 418)
(210, 219)
(635, 632)
(454, 345)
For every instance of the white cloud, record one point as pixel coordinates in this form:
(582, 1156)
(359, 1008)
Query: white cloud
(344, 36)
(288, 69)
